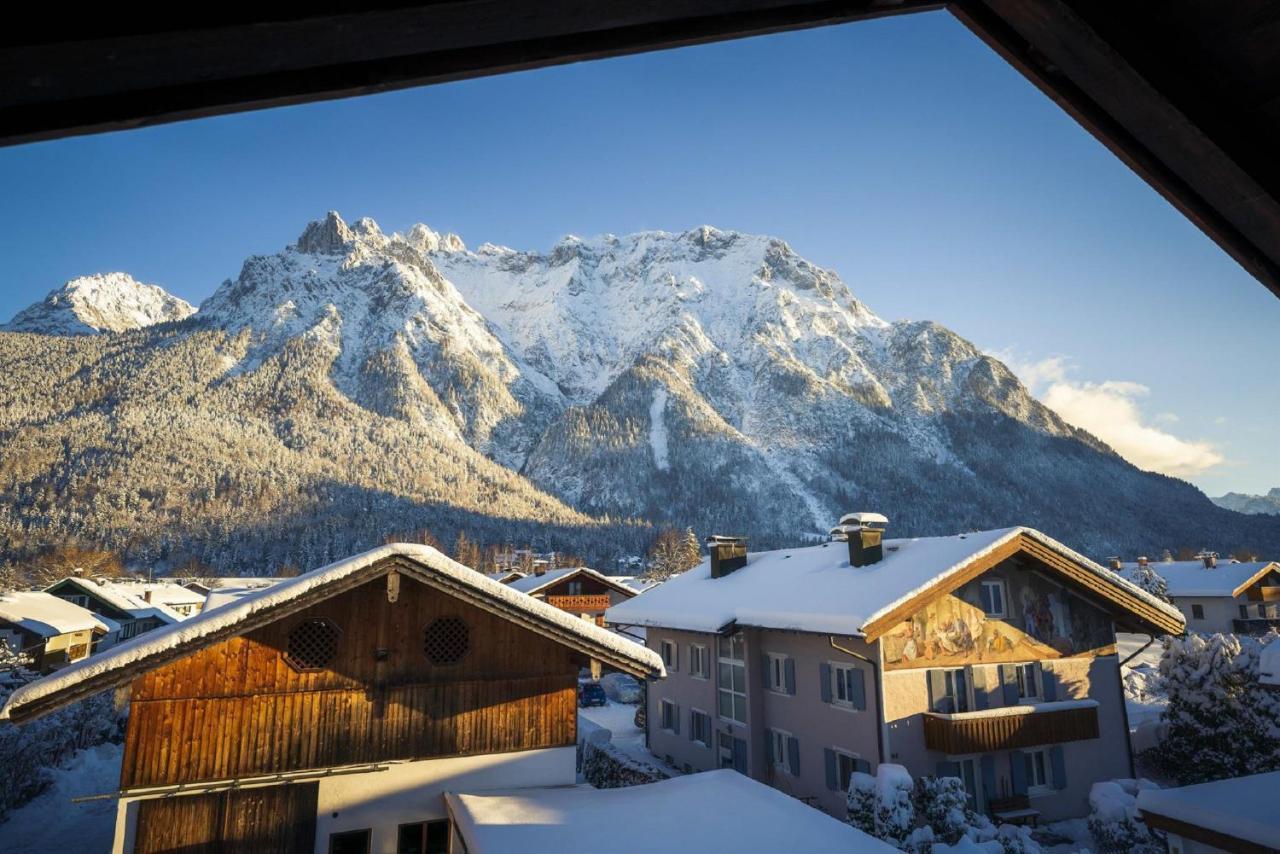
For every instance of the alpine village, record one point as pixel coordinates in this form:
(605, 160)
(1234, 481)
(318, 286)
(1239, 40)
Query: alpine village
(665, 541)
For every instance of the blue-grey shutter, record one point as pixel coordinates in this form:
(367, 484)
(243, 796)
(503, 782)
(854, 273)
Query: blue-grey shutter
(766, 671)
(740, 755)
(793, 755)
(1050, 681)
(985, 593)
(937, 688)
(862, 765)
(675, 656)
(962, 691)
(1018, 771)
(980, 699)
(949, 769)
(675, 720)
(789, 668)
(824, 681)
(859, 688)
(833, 774)
(988, 764)
(1009, 679)
(1058, 763)
(768, 746)
(692, 728)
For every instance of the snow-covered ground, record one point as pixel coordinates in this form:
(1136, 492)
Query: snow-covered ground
(619, 718)
(1143, 699)
(52, 823)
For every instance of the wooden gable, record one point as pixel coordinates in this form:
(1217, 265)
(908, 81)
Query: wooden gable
(244, 706)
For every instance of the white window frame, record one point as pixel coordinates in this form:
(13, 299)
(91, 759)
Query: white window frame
(839, 685)
(777, 672)
(1045, 785)
(781, 754)
(663, 705)
(728, 661)
(693, 729)
(1036, 678)
(999, 585)
(699, 662)
(668, 648)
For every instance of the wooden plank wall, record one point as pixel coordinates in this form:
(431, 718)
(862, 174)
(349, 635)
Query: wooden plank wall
(266, 819)
(238, 709)
(1009, 732)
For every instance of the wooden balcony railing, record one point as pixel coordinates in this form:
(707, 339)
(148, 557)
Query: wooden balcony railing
(580, 604)
(976, 732)
(1255, 625)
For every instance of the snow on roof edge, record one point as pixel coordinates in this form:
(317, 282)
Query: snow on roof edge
(172, 637)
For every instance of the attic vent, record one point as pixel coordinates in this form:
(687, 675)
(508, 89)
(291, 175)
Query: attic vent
(446, 641)
(312, 645)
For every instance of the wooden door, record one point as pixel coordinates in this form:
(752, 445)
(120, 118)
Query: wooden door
(276, 819)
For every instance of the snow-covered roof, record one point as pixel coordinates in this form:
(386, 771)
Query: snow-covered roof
(1240, 807)
(153, 649)
(681, 814)
(532, 584)
(635, 582)
(814, 589)
(46, 615)
(1191, 578)
(128, 597)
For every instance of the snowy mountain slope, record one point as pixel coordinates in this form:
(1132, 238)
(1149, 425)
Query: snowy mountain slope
(1240, 502)
(358, 385)
(105, 302)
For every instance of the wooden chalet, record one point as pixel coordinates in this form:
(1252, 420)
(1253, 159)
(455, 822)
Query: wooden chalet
(331, 712)
(580, 591)
(49, 632)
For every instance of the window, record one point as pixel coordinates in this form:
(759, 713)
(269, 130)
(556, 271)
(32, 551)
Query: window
(426, 837)
(446, 641)
(846, 764)
(312, 644)
(848, 687)
(574, 588)
(732, 678)
(700, 727)
(780, 752)
(948, 691)
(725, 740)
(1244, 612)
(699, 666)
(993, 598)
(669, 716)
(776, 676)
(1197, 612)
(1030, 681)
(77, 599)
(350, 842)
(670, 657)
(1037, 771)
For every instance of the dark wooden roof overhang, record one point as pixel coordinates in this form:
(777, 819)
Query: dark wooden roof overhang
(1187, 93)
(1216, 839)
(1132, 612)
(126, 673)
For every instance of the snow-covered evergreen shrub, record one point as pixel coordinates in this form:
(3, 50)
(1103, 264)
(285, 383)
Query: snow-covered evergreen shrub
(1221, 722)
(1114, 822)
(861, 802)
(942, 805)
(1151, 581)
(895, 814)
(606, 767)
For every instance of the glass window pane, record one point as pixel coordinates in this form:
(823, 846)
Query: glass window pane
(740, 709)
(723, 644)
(726, 704)
(726, 675)
(409, 839)
(350, 842)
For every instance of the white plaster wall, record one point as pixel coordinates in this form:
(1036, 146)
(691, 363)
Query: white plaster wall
(1219, 611)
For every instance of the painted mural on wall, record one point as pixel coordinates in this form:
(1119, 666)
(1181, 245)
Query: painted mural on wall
(1042, 620)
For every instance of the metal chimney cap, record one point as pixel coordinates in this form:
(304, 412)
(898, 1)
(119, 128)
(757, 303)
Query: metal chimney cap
(865, 519)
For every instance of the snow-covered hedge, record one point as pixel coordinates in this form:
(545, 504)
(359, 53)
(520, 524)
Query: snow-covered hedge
(606, 767)
(1114, 822)
(1220, 721)
(28, 751)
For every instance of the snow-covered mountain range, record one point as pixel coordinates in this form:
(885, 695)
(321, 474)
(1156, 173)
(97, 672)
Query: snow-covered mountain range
(707, 378)
(104, 302)
(1240, 502)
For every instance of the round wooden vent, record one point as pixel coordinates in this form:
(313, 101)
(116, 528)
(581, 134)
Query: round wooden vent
(447, 640)
(312, 645)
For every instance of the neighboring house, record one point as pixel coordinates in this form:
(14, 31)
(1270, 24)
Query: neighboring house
(1217, 595)
(718, 811)
(117, 601)
(988, 656)
(1236, 815)
(332, 711)
(204, 586)
(49, 630)
(505, 576)
(580, 591)
(637, 583)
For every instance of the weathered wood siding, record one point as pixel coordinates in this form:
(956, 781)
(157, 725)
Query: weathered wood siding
(238, 708)
(253, 821)
(1008, 732)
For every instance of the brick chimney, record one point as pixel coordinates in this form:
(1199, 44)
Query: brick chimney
(1115, 563)
(727, 554)
(1142, 561)
(1210, 559)
(864, 533)
(146, 595)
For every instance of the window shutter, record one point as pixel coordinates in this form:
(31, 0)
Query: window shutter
(949, 769)
(675, 657)
(988, 764)
(1018, 771)
(824, 681)
(789, 666)
(793, 755)
(979, 676)
(986, 599)
(692, 728)
(1049, 680)
(862, 765)
(1058, 763)
(766, 671)
(1009, 678)
(859, 688)
(768, 746)
(829, 756)
(675, 719)
(937, 688)
(740, 755)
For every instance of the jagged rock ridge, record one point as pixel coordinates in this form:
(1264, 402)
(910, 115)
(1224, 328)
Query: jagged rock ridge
(104, 302)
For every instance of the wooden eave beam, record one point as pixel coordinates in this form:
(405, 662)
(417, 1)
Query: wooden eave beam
(1217, 839)
(1256, 577)
(1066, 59)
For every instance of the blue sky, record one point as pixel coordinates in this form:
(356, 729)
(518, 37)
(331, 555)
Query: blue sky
(902, 153)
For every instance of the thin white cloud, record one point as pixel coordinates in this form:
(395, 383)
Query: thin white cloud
(1111, 411)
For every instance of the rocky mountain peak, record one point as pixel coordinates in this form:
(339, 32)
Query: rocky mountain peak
(103, 302)
(328, 236)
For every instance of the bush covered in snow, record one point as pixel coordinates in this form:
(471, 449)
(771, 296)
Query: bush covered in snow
(927, 816)
(606, 767)
(28, 751)
(1220, 721)
(1114, 822)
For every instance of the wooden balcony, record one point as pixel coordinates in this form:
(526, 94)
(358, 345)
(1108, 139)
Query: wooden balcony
(1255, 625)
(580, 604)
(978, 732)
